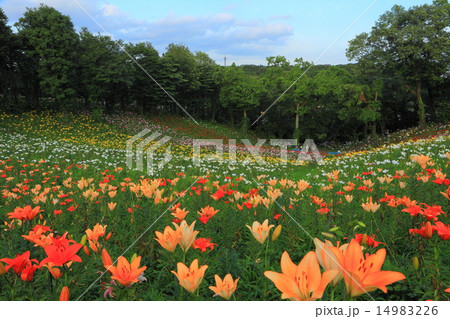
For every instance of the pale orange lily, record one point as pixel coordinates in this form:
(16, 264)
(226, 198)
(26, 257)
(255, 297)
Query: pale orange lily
(187, 234)
(422, 160)
(370, 206)
(190, 278)
(361, 274)
(169, 239)
(126, 273)
(260, 231)
(348, 198)
(302, 282)
(224, 288)
(327, 259)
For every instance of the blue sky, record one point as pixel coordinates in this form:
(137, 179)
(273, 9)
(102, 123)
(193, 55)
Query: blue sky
(245, 31)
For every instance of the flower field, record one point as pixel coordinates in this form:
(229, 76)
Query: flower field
(77, 224)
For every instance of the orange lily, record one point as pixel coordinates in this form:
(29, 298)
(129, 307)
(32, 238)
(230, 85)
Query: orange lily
(364, 274)
(260, 231)
(169, 240)
(443, 230)
(447, 193)
(327, 259)
(206, 213)
(126, 273)
(426, 231)
(61, 252)
(190, 278)
(18, 263)
(96, 232)
(180, 214)
(38, 237)
(302, 282)
(224, 288)
(25, 213)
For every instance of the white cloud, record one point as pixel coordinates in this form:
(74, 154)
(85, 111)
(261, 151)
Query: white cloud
(219, 34)
(111, 10)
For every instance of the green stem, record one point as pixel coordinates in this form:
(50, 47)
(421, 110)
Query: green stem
(181, 293)
(333, 288)
(436, 258)
(265, 267)
(78, 274)
(12, 288)
(31, 291)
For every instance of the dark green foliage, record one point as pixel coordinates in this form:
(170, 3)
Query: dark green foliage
(401, 78)
(49, 40)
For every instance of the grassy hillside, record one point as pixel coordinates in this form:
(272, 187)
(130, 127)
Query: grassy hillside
(65, 177)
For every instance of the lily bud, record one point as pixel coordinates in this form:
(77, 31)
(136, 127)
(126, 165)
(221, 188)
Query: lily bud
(83, 240)
(133, 257)
(108, 236)
(64, 296)
(106, 259)
(2, 269)
(86, 250)
(364, 240)
(415, 263)
(428, 230)
(276, 232)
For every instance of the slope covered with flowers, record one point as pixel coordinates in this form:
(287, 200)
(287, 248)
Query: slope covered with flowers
(76, 223)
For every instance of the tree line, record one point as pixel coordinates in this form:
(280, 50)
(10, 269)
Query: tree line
(400, 78)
